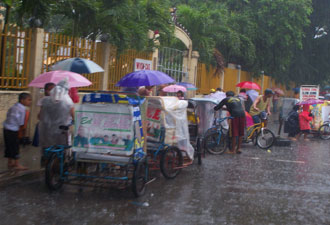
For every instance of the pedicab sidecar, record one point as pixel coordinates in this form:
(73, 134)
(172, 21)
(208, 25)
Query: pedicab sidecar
(107, 145)
(168, 143)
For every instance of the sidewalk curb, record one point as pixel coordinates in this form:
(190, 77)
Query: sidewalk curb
(23, 177)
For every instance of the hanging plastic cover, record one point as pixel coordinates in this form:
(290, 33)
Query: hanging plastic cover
(176, 124)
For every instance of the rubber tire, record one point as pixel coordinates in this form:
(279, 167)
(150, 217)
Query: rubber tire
(214, 136)
(53, 168)
(163, 161)
(199, 150)
(321, 136)
(259, 136)
(139, 179)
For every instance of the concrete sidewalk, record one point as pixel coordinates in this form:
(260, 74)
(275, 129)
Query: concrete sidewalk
(30, 157)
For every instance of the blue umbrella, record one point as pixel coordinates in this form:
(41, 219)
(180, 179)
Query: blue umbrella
(187, 85)
(78, 65)
(144, 78)
(326, 87)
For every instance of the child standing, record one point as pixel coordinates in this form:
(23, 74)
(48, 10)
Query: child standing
(304, 119)
(15, 119)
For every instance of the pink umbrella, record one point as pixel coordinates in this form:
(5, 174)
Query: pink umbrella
(74, 79)
(311, 102)
(174, 88)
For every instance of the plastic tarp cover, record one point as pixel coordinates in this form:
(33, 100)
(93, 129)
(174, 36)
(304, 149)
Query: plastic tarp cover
(286, 105)
(174, 113)
(105, 129)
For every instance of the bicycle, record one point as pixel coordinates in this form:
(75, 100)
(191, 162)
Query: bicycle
(215, 141)
(260, 135)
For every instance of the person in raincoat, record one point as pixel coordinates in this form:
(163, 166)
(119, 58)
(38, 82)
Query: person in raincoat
(291, 125)
(304, 118)
(55, 111)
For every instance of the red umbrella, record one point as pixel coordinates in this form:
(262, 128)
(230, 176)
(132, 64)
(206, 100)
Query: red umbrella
(248, 85)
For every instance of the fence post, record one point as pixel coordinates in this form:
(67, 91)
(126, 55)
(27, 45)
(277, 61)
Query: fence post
(155, 59)
(262, 81)
(35, 69)
(192, 72)
(103, 57)
(238, 77)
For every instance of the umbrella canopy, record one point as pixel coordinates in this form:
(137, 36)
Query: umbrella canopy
(311, 102)
(174, 88)
(74, 79)
(187, 85)
(278, 91)
(144, 78)
(253, 94)
(326, 87)
(78, 65)
(248, 85)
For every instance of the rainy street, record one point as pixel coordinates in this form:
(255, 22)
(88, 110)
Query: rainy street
(286, 185)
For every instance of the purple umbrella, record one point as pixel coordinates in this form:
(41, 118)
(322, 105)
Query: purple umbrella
(144, 78)
(311, 102)
(187, 85)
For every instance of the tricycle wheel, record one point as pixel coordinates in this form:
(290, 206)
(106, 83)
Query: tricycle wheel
(139, 179)
(53, 175)
(324, 131)
(171, 162)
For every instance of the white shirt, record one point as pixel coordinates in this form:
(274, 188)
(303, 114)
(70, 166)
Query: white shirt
(15, 117)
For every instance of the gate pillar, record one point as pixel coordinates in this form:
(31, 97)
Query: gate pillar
(192, 70)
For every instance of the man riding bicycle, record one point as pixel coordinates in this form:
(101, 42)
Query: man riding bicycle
(260, 105)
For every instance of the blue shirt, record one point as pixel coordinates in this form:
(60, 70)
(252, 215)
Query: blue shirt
(15, 117)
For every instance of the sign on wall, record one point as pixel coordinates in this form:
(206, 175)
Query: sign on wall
(142, 64)
(309, 92)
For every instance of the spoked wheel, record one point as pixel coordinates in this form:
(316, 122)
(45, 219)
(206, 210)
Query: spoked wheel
(171, 162)
(215, 143)
(139, 179)
(53, 176)
(324, 131)
(265, 138)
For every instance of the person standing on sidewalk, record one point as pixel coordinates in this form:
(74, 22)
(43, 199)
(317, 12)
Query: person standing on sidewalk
(236, 111)
(15, 120)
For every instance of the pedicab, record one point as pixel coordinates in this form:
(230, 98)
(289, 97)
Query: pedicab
(107, 145)
(320, 125)
(168, 145)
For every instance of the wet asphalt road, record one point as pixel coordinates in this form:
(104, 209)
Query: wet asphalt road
(289, 185)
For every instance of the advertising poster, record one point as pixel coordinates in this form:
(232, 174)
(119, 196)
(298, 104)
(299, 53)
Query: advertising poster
(153, 123)
(309, 92)
(104, 128)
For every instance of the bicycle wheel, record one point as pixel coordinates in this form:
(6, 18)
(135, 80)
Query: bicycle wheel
(324, 131)
(53, 178)
(265, 138)
(213, 145)
(139, 179)
(171, 162)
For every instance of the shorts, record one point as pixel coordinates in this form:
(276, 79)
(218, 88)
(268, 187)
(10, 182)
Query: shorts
(305, 131)
(257, 118)
(11, 144)
(237, 126)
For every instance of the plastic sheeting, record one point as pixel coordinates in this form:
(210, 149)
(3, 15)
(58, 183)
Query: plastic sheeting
(171, 113)
(55, 112)
(286, 105)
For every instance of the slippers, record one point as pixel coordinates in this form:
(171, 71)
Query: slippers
(230, 152)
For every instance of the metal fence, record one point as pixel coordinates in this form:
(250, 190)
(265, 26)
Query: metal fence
(122, 64)
(170, 61)
(58, 47)
(15, 47)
